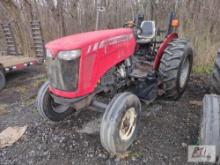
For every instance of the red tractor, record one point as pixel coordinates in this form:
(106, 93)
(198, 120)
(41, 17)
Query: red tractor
(84, 65)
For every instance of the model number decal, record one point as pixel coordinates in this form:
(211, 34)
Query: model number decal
(108, 42)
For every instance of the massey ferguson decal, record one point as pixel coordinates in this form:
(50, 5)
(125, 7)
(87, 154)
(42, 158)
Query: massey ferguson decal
(108, 42)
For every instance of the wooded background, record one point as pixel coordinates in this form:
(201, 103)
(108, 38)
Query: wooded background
(199, 20)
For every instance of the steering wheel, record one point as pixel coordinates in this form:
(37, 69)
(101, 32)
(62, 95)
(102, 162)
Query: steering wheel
(136, 28)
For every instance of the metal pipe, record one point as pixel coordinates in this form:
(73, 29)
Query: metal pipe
(98, 106)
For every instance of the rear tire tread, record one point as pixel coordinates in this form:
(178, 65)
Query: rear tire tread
(171, 60)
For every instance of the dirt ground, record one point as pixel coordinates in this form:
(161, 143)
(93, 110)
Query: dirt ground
(166, 128)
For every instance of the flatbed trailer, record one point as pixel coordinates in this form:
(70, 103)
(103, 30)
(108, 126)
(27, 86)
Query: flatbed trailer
(9, 63)
(11, 60)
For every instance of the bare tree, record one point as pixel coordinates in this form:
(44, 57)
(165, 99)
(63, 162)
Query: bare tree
(200, 20)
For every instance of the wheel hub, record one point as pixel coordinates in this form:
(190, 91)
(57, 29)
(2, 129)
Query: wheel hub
(128, 124)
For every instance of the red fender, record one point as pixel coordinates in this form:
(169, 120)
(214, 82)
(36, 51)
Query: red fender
(161, 49)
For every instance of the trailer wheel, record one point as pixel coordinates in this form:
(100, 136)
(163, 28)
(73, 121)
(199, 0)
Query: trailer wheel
(210, 125)
(2, 80)
(120, 123)
(47, 108)
(216, 74)
(175, 68)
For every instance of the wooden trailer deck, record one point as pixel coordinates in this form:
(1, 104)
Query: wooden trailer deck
(9, 61)
(12, 63)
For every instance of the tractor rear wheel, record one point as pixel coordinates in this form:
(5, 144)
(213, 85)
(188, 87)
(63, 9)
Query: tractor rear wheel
(210, 126)
(47, 108)
(2, 80)
(216, 74)
(175, 68)
(120, 123)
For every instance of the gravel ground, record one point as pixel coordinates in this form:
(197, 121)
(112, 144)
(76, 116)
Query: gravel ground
(166, 128)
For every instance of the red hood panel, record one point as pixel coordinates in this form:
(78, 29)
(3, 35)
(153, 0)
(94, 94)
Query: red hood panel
(81, 40)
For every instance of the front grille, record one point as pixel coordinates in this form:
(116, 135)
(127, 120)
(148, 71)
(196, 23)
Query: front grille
(63, 75)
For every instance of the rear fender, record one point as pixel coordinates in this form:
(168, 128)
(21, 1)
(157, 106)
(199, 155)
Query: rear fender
(161, 49)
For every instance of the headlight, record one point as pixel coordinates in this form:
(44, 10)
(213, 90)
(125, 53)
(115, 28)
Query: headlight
(69, 55)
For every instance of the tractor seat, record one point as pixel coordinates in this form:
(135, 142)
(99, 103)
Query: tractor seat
(148, 32)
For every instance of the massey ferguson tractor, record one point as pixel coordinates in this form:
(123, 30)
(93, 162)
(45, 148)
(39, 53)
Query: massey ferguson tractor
(129, 62)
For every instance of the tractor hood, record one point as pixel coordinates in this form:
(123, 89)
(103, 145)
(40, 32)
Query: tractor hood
(81, 40)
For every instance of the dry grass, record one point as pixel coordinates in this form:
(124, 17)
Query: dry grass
(34, 86)
(202, 69)
(205, 46)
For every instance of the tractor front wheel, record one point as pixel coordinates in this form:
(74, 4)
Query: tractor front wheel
(2, 80)
(120, 123)
(47, 108)
(175, 68)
